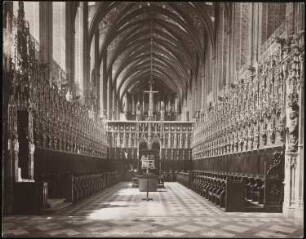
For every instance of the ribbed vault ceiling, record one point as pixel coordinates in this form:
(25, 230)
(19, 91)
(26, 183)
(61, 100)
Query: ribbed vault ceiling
(142, 39)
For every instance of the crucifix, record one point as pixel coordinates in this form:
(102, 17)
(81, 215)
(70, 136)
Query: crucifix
(150, 92)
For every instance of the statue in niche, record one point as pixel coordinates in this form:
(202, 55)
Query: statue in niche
(264, 134)
(236, 142)
(272, 131)
(256, 138)
(293, 118)
(162, 106)
(281, 129)
(162, 110)
(125, 109)
(138, 111)
(251, 138)
(246, 139)
(293, 131)
(241, 140)
(228, 145)
(197, 115)
(232, 144)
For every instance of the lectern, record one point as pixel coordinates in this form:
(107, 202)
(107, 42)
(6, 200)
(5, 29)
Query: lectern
(148, 182)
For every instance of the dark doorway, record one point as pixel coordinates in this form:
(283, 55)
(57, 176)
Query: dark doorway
(22, 129)
(143, 147)
(156, 150)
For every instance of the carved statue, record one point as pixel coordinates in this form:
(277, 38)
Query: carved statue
(138, 111)
(162, 106)
(246, 139)
(125, 109)
(256, 135)
(272, 131)
(293, 131)
(264, 134)
(281, 129)
(162, 111)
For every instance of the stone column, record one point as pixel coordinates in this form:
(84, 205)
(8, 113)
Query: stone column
(256, 34)
(300, 54)
(300, 201)
(31, 146)
(70, 45)
(143, 103)
(115, 108)
(232, 47)
(162, 111)
(45, 36)
(15, 158)
(7, 147)
(126, 106)
(118, 110)
(97, 78)
(150, 113)
(109, 95)
(133, 104)
(86, 50)
(299, 211)
(294, 164)
(79, 52)
(176, 106)
(157, 104)
(168, 103)
(104, 82)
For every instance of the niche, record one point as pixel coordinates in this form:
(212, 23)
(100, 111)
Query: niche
(22, 129)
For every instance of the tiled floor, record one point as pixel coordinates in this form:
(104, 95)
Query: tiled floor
(175, 211)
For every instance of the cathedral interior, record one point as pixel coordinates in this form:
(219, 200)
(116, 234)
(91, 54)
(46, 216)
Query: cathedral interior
(153, 119)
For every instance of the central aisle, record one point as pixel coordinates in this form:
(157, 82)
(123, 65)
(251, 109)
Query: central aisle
(123, 202)
(175, 211)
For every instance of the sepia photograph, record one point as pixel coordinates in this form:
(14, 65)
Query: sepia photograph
(153, 119)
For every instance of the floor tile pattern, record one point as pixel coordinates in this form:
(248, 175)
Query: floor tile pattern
(175, 211)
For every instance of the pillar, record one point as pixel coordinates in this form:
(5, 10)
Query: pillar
(79, 51)
(299, 207)
(115, 108)
(143, 104)
(157, 104)
(104, 82)
(119, 109)
(293, 206)
(109, 95)
(256, 34)
(168, 103)
(45, 36)
(299, 213)
(97, 78)
(30, 166)
(232, 46)
(86, 50)
(133, 104)
(70, 45)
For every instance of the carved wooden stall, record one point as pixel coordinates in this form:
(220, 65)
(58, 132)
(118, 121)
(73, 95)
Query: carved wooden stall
(248, 131)
(50, 137)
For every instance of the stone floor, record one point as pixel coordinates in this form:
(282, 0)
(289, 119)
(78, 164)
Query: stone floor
(175, 211)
